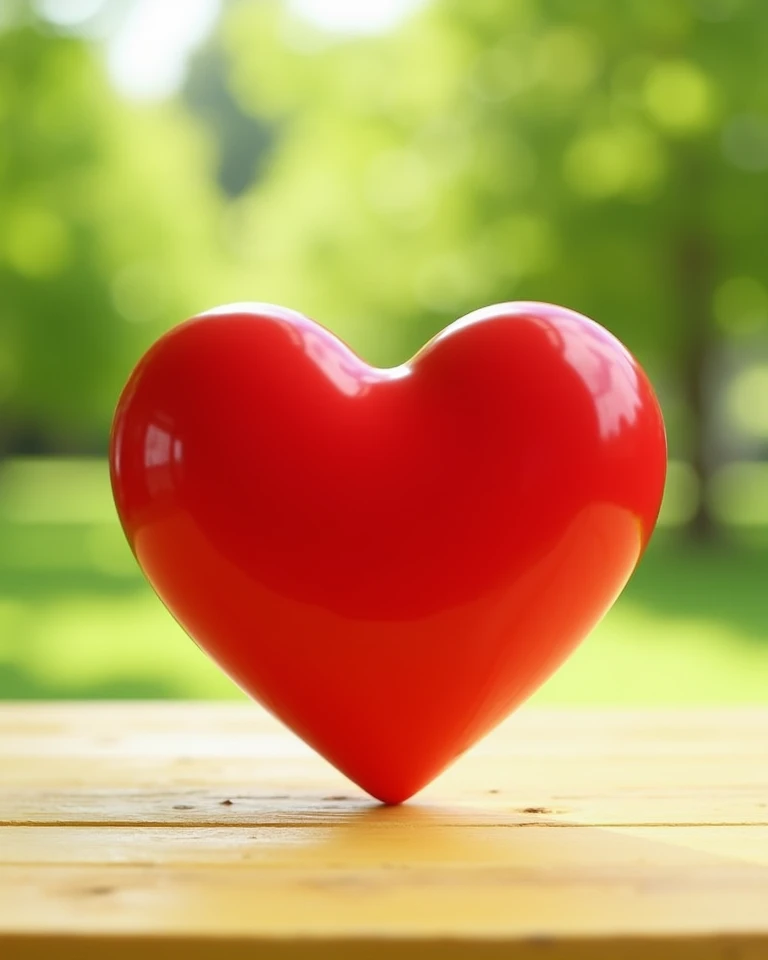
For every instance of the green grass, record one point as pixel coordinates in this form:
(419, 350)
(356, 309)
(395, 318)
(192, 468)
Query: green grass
(77, 620)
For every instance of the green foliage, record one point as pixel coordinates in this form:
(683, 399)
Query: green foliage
(109, 236)
(612, 157)
(609, 156)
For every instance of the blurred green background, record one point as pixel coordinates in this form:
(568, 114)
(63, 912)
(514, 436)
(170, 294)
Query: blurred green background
(384, 167)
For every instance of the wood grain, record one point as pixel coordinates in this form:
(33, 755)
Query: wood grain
(161, 828)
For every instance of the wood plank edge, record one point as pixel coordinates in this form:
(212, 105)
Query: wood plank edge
(275, 824)
(743, 946)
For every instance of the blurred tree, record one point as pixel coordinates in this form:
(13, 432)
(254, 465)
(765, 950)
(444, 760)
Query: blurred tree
(110, 224)
(612, 157)
(243, 141)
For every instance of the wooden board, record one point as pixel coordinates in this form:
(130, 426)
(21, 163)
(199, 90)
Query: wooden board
(207, 828)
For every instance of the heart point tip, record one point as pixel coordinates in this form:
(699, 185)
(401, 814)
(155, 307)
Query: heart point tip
(392, 797)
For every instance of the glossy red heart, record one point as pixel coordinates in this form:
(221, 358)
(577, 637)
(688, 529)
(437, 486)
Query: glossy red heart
(389, 560)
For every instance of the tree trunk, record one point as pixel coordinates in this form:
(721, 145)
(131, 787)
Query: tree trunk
(695, 271)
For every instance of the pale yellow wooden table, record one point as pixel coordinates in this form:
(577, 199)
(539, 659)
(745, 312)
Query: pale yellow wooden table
(199, 831)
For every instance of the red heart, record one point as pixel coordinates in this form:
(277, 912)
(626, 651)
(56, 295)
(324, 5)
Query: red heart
(389, 560)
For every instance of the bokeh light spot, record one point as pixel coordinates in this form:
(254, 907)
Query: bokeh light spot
(352, 16)
(36, 241)
(615, 160)
(566, 60)
(679, 97)
(68, 13)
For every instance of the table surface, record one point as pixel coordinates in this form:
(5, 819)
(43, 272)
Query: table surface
(164, 828)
